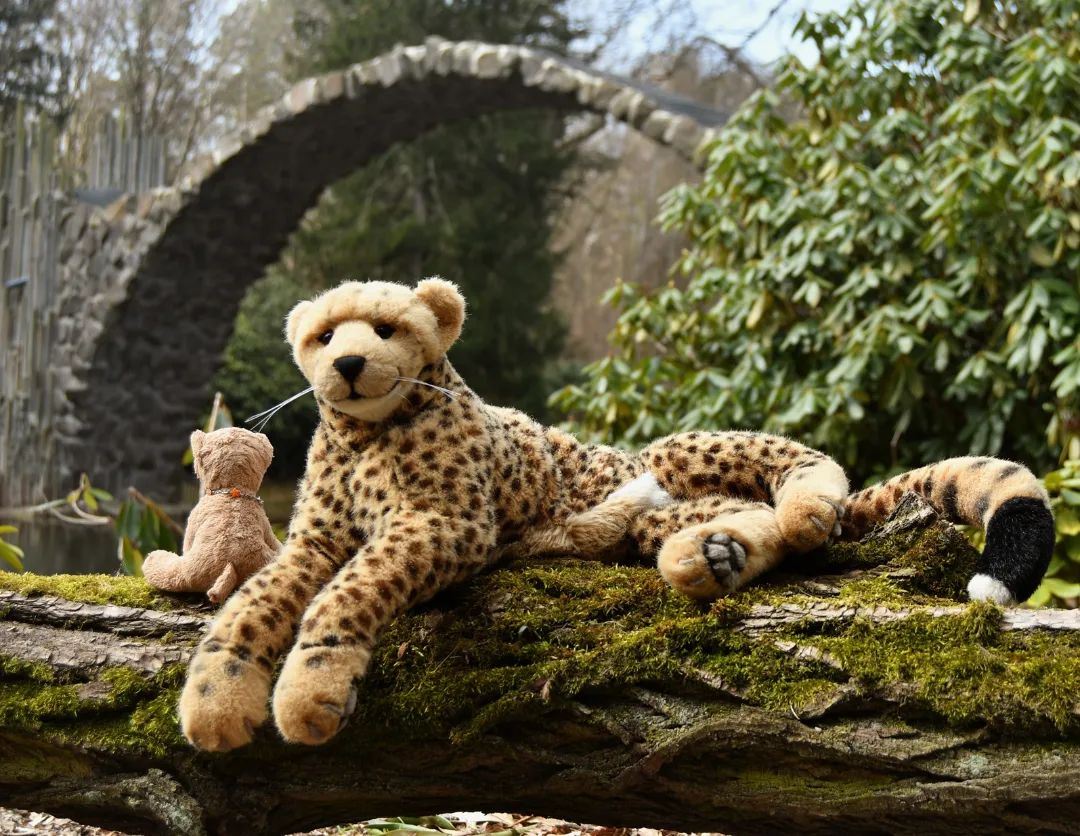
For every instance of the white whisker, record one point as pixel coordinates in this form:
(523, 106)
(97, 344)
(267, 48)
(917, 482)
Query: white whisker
(267, 414)
(451, 395)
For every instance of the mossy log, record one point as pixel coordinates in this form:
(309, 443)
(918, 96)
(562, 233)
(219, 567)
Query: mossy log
(854, 693)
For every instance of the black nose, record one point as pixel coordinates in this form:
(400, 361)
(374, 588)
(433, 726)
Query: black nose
(350, 366)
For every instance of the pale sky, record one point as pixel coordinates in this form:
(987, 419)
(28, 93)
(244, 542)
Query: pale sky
(730, 21)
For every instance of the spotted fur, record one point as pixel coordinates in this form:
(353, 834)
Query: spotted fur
(413, 484)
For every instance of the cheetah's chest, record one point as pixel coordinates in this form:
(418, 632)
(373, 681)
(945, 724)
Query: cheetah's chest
(364, 493)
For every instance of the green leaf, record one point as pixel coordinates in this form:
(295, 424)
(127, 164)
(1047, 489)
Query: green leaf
(1067, 521)
(1042, 597)
(1042, 256)
(131, 559)
(1061, 588)
(12, 555)
(401, 825)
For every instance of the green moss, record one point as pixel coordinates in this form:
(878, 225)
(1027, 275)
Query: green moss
(937, 560)
(964, 670)
(522, 640)
(876, 591)
(27, 704)
(525, 637)
(11, 667)
(766, 675)
(941, 561)
(139, 714)
(92, 589)
(823, 788)
(135, 714)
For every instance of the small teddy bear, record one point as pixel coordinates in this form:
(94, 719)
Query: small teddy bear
(228, 536)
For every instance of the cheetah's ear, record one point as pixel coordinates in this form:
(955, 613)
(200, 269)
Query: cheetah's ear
(448, 305)
(292, 322)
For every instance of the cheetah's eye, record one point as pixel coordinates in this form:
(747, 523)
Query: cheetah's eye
(384, 331)
(326, 336)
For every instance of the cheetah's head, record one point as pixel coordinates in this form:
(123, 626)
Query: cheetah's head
(355, 342)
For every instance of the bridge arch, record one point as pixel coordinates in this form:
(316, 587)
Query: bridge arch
(150, 294)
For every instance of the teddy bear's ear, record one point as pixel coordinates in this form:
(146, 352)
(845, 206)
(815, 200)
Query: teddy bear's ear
(448, 305)
(266, 449)
(292, 322)
(197, 439)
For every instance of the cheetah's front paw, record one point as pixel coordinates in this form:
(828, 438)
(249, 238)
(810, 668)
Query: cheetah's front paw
(223, 701)
(315, 694)
(808, 521)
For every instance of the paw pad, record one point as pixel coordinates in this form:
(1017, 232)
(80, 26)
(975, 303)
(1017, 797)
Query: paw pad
(726, 558)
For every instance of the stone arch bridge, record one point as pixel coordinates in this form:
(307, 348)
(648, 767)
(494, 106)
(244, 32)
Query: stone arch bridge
(150, 290)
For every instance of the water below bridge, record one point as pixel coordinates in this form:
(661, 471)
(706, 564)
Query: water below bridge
(54, 547)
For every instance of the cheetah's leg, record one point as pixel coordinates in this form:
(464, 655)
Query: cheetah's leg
(419, 555)
(709, 547)
(597, 531)
(810, 499)
(807, 488)
(225, 696)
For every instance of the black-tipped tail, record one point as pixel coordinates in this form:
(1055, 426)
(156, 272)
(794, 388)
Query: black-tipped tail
(1019, 545)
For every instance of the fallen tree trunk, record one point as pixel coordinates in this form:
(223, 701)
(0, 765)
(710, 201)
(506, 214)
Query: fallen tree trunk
(859, 695)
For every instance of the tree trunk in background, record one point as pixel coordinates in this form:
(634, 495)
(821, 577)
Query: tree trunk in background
(859, 696)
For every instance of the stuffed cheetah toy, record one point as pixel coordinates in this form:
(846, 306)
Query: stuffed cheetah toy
(413, 483)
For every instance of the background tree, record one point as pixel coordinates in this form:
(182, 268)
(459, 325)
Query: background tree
(30, 58)
(248, 63)
(144, 62)
(892, 275)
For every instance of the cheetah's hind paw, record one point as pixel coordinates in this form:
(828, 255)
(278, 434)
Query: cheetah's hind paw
(726, 558)
(704, 562)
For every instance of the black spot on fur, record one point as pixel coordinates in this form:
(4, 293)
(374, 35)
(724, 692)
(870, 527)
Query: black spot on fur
(1019, 544)
(948, 501)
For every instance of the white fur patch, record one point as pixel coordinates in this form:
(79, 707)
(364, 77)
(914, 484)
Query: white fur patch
(645, 491)
(986, 588)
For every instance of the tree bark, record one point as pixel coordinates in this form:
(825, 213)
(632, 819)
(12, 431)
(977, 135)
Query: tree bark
(858, 694)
